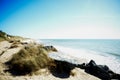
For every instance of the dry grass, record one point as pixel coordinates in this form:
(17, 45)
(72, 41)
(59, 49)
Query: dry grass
(1, 68)
(3, 36)
(2, 77)
(1, 39)
(29, 59)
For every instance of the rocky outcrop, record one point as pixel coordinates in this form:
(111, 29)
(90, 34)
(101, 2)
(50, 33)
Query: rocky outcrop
(65, 64)
(50, 48)
(101, 71)
(62, 69)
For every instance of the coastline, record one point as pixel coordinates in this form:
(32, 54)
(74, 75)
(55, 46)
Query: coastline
(30, 48)
(88, 55)
(80, 74)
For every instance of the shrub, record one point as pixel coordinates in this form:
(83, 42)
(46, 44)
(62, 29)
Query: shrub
(1, 39)
(0, 68)
(29, 59)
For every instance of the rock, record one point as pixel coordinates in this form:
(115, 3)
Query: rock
(101, 71)
(64, 64)
(50, 48)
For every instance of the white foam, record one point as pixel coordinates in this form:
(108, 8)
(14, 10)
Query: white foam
(111, 62)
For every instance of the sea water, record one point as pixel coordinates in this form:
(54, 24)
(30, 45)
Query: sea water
(103, 51)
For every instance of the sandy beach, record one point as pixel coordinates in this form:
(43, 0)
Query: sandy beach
(8, 52)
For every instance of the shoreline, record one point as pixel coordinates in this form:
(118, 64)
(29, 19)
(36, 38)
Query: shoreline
(8, 76)
(88, 55)
(68, 51)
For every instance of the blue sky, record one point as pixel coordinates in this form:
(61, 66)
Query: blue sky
(81, 19)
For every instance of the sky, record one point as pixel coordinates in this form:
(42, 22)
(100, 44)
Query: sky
(61, 19)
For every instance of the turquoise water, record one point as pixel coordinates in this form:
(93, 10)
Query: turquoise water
(104, 46)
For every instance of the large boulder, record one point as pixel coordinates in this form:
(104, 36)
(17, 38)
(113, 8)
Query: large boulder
(101, 71)
(50, 48)
(62, 69)
(64, 64)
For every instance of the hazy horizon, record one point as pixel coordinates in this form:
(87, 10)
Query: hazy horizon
(61, 19)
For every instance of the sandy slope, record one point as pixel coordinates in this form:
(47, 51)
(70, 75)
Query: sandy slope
(4, 45)
(6, 54)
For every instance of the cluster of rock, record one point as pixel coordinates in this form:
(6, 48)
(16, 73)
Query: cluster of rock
(101, 71)
(66, 65)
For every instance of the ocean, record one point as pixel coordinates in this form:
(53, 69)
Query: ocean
(103, 51)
